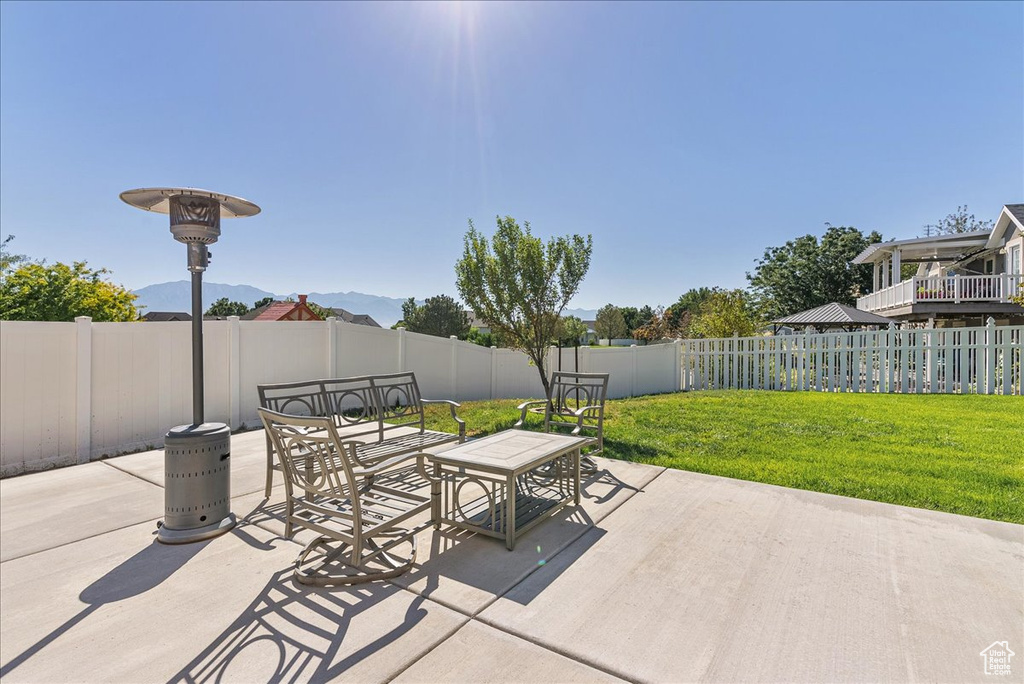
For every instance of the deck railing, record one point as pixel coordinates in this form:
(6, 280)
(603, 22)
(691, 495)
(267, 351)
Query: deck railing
(954, 288)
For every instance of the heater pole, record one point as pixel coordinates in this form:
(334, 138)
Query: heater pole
(197, 457)
(197, 348)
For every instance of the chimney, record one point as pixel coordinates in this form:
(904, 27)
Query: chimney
(302, 299)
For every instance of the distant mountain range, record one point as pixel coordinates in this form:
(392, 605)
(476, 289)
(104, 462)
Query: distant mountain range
(177, 296)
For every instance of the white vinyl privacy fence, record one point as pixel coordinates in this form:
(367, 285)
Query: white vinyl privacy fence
(72, 392)
(985, 360)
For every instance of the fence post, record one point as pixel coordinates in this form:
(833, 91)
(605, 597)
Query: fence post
(632, 380)
(804, 367)
(890, 357)
(990, 356)
(234, 371)
(956, 288)
(734, 372)
(678, 365)
(453, 341)
(401, 350)
(332, 342)
(585, 359)
(494, 372)
(83, 395)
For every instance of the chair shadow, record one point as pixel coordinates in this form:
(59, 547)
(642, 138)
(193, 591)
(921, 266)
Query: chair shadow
(295, 633)
(607, 477)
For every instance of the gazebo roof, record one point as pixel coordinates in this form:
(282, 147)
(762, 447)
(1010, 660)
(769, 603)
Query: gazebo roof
(834, 314)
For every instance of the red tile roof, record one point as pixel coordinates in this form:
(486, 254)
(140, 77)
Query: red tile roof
(276, 311)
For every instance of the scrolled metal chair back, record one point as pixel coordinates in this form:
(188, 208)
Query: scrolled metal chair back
(314, 460)
(400, 400)
(571, 392)
(295, 398)
(353, 401)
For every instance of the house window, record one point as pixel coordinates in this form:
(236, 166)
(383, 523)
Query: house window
(1015, 266)
(989, 263)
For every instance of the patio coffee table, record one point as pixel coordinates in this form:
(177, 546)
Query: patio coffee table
(504, 484)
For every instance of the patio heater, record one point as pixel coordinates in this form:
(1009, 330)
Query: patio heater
(197, 469)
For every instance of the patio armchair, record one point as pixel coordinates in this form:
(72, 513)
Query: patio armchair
(575, 403)
(333, 493)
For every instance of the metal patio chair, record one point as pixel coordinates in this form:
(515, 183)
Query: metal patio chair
(576, 403)
(331, 492)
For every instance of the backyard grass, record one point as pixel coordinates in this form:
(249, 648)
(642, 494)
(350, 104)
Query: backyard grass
(959, 454)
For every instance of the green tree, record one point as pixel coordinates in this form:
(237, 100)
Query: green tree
(806, 273)
(37, 292)
(957, 222)
(636, 318)
(570, 331)
(442, 316)
(660, 326)
(223, 307)
(520, 285)
(9, 261)
(483, 339)
(610, 323)
(725, 313)
(678, 315)
(629, 315)
(261, 303)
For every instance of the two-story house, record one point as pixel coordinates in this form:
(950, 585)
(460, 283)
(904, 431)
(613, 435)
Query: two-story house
(961, 279)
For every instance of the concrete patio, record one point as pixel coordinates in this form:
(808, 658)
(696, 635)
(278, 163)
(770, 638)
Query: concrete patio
(659, 575)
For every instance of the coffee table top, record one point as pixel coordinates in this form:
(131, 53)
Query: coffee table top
(510, 451)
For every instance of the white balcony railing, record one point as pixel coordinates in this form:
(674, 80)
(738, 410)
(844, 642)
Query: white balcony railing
(954, 288)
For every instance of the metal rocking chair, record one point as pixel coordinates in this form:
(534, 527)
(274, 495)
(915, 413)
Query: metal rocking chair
(575, 402)
(332, 493)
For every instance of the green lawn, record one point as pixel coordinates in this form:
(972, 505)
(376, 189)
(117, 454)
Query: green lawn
(960, 454)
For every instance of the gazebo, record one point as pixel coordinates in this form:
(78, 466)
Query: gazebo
(833, 315)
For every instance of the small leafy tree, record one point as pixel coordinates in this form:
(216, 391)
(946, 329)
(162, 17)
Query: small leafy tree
(520, 285)
(483, 339)
(37, 292)
(725, 313)
(660, 326)
(570, 331)
(224, 307)
(261, 303)
(636, 318)
(957, 222)
(442, 316)
(678, 315)
(610, 323)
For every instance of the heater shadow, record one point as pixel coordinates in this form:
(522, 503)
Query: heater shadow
(144, 571)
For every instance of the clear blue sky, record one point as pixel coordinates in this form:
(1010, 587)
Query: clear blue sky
(685, 137)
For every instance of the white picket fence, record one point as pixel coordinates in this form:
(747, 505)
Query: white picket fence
(72, 392)
(983, 360)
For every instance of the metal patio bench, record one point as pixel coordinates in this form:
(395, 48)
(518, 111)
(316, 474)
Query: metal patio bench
(384, 414)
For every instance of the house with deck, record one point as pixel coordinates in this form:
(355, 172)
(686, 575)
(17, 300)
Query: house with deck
(961, 279)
